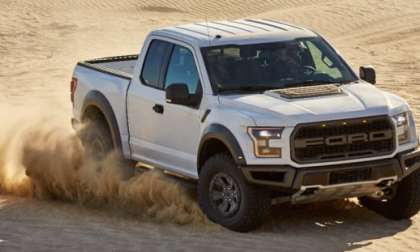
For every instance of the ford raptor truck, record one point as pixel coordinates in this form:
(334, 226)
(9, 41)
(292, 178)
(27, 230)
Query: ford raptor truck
(258, 112)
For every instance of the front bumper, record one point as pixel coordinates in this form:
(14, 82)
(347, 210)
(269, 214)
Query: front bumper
(293, 179)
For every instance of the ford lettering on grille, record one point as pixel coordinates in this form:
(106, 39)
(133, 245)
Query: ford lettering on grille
(343, 139)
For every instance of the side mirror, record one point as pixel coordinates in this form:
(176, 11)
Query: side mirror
(178, 93)
(367, 73)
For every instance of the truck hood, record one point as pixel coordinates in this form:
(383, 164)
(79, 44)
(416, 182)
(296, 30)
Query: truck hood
(359, 99)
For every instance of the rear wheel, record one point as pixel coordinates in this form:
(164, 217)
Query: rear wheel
(227, 199)
(403, 201)
(97, 140)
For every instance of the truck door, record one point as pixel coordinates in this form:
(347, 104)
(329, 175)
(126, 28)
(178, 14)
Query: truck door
(161, 133)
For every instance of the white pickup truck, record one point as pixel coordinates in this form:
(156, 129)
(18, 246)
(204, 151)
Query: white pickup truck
(258, 112)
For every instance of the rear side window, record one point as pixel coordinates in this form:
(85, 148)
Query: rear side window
(152, 68)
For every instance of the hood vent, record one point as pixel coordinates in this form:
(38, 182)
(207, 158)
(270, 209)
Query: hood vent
(307, 91)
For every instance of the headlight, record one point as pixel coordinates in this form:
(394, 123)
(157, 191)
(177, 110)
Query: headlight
(403, 128)
(266, 141)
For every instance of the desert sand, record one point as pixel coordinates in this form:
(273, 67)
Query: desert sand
(40, 42)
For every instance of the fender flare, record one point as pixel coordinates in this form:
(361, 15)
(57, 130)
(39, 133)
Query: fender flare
(224, 135)
(98, 100)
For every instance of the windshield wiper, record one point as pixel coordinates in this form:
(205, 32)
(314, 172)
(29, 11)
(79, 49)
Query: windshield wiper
(316, 82)
(311, 83)
(248, 88)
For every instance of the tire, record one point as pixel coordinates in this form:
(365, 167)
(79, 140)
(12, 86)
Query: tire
(246, 210)
(405, 202)
(97, 140)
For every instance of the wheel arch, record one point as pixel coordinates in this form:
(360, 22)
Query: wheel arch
(96, 102)
(216, 139)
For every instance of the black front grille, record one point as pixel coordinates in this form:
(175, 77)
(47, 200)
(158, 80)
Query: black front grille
(342, 139)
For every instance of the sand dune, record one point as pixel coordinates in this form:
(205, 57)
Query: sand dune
(40, 42)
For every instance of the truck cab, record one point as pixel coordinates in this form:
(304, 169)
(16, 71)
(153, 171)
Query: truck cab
(258, 112)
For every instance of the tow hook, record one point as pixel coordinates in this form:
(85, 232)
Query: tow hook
(386, 189)
(378, 194)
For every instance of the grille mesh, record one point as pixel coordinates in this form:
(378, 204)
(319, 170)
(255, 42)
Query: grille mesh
(350, 176)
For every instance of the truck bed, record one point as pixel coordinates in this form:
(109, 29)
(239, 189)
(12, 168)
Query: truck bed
(121, 66)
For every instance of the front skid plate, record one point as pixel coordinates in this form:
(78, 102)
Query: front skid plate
(309, 194)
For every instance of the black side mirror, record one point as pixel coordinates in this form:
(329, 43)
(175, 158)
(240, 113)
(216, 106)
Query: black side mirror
(178, 93)
(367, 73)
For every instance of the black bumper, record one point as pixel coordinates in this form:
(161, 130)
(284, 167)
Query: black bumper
(288, 177)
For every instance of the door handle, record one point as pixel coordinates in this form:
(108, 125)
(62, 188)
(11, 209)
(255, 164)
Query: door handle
(158, 108)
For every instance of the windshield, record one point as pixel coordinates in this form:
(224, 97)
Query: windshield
(307, 61)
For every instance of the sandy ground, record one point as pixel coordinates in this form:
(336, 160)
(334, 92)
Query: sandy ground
(40, 42)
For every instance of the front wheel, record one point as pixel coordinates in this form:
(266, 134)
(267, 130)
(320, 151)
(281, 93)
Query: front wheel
(227, 199)
(404, 200)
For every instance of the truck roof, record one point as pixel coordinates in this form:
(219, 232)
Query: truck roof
(242, 31)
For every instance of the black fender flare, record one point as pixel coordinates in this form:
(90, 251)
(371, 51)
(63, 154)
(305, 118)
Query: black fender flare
(98, 100)
(224, 135)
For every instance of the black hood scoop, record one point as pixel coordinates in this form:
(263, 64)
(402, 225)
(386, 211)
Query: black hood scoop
(307, 91)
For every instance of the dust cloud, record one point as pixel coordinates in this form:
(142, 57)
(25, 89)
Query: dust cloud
(43, 159)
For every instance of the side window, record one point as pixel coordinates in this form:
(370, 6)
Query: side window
(182, 69)
(152, 68)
